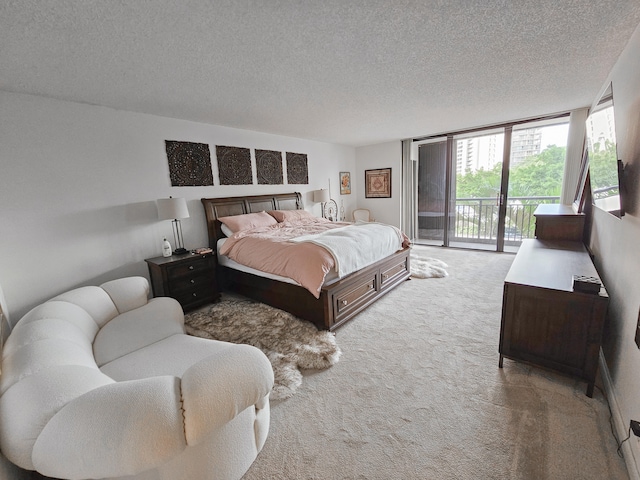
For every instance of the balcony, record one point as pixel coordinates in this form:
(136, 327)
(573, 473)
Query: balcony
(475, 221)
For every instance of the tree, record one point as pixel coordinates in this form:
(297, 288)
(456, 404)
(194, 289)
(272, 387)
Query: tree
(479, 184)
(603, 168)
(537, 175)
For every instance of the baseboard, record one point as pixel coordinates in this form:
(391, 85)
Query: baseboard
(630, 449)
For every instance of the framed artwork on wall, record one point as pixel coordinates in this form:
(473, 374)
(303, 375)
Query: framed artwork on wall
(345, 183)
(377, 183)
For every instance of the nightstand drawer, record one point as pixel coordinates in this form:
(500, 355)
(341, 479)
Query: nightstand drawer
(203, 279)
(192, 298)
(183, 269)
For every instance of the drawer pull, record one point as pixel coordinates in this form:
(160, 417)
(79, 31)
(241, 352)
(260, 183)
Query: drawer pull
(385, 276)
(370, 286)
(192, 281)
(194, 294)
(190, 267)
(344, 302)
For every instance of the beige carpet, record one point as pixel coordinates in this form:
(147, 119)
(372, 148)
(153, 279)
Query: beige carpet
(417, 394)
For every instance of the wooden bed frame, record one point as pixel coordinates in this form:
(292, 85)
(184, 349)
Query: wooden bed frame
(340, 299)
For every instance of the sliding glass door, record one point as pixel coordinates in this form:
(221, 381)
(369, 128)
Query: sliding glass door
(432, 192)
(477, 190)
(480, 189)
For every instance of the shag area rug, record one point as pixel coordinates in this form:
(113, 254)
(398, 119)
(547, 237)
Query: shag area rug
(426, 267)
(290, 344)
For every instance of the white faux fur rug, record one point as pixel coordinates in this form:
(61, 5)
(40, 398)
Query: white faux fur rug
(426, 267)
(290, 344)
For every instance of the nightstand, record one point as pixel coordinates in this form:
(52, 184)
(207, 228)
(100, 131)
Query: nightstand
(190, 278)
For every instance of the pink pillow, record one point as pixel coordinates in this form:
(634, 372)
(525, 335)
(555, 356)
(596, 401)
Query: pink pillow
(238, 223)
(290, 215)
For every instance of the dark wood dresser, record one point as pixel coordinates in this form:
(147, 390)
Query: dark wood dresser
(545, 322)
(558, 222)
(190, 278)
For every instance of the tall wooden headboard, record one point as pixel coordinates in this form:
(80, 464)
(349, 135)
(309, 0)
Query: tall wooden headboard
(215, 208)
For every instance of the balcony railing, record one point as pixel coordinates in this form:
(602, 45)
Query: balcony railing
(476, 219)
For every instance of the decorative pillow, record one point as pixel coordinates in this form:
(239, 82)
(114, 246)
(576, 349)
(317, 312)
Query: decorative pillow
(238, 223)
(290, 215)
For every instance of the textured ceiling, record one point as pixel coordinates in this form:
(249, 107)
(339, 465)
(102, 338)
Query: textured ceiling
(354, 72)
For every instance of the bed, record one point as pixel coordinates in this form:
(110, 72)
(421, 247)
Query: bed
(340, 299)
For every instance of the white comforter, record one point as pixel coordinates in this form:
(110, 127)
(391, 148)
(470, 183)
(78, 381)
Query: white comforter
(357, 246)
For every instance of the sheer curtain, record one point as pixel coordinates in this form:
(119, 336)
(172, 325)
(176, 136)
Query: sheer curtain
(575, 150)
(409, 203)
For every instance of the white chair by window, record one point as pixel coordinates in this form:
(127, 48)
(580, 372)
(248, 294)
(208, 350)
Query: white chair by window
(362, 215)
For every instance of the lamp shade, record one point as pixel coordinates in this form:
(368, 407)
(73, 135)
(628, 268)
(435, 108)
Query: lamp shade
(172, 208)
(321, 195)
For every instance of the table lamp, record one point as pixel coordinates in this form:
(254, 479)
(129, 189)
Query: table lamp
(321, 196)
(174, 209)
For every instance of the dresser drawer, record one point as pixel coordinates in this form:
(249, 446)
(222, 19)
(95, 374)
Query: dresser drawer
(184, 269)
(389, 274)
(355, 295)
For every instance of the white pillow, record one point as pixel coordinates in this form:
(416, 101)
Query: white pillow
(226, 230)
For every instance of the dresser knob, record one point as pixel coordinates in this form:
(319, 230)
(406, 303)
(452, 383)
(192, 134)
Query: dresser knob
(344, 302)
(385, 276)
(190, 267)
(194, 294)
(192, 281)
(370, 286)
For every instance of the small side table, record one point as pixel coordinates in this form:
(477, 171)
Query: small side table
(190, 278)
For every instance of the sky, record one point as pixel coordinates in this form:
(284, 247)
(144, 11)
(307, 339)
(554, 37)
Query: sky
(555, 135)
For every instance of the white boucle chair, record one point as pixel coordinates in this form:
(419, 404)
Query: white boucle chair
(101, 382)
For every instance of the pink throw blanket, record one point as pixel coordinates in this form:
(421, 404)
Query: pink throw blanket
(268, 249)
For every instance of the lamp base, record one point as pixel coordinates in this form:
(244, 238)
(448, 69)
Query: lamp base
(180, 251)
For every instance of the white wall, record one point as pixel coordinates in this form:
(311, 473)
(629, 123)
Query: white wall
(78, 185)
(383, 155)
(616, 246)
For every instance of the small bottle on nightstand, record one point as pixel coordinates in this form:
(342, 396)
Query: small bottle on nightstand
(166, 248)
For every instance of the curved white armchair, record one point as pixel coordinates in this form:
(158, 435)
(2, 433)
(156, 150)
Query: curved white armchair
(362, 215)
(101, 382)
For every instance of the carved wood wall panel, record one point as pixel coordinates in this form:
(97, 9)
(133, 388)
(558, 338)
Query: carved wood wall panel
(234, 165)
(269, 167)
(297, 168)
(189, 164)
